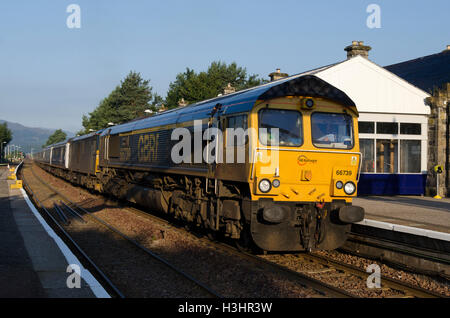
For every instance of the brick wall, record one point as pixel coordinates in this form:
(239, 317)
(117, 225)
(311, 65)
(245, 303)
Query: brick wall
(439, 141)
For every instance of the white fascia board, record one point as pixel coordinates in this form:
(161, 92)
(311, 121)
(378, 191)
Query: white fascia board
(374, 89)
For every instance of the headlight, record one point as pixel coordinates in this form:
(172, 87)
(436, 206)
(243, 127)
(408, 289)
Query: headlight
(309, 103)
(264, 185)
(349, 188)
(276, 183)
(339, 185)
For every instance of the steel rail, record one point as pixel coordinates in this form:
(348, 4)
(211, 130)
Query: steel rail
(129, 239)
(406, 288)
(61, 215)
(399, 254)
(91, 264)
(73, 212)
(305, 280)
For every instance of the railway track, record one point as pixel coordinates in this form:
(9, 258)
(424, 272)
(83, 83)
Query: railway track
(109, 286)
(399, 288)
(403, 289)
(65, 207)
(413, 258)
(321, 287)
(406, 289)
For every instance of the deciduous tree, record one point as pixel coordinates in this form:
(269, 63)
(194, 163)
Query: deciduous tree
(194, 87)
(5, 138)
(57, 136)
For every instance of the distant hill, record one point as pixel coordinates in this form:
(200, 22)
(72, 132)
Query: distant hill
(29, 137)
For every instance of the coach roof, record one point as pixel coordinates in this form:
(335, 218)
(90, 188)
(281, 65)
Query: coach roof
(305, 84)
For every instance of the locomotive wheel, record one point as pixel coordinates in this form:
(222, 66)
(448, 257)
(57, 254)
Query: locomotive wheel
(212, 235)
(245, 242)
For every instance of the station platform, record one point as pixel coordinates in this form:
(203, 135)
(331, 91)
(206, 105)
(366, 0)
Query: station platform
(421, 216)
(33, 259)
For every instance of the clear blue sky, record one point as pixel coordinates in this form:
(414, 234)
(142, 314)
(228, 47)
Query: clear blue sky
(51, 75)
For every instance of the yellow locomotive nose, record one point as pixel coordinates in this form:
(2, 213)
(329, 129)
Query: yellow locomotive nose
(302, 175)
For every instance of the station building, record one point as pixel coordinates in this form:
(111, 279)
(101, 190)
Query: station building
(432, 74)
(393, 123)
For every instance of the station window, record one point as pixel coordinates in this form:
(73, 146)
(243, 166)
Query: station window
(366, 127)
(410, 129)
(368, 155)
(387, 156)
(410, 155)
(387, 128)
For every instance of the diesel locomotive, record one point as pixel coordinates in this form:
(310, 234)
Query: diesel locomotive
(291, 190)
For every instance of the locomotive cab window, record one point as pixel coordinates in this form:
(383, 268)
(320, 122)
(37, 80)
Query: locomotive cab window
(287, 122)
(114, 146)
(331, 130)
(236, 135)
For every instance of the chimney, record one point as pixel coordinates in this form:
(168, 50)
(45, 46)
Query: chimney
(162, 108)
(229, 89)
(357, 48)
(182, 103)
(277, 75)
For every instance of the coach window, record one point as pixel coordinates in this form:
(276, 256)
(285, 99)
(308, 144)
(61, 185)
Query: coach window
(287, 122)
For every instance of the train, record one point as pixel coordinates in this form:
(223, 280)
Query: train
(291, 188)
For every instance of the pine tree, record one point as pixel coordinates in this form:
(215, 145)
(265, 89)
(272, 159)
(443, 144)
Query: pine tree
(126, 102)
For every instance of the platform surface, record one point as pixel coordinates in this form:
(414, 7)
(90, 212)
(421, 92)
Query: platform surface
(413, 211)
(31, 263)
